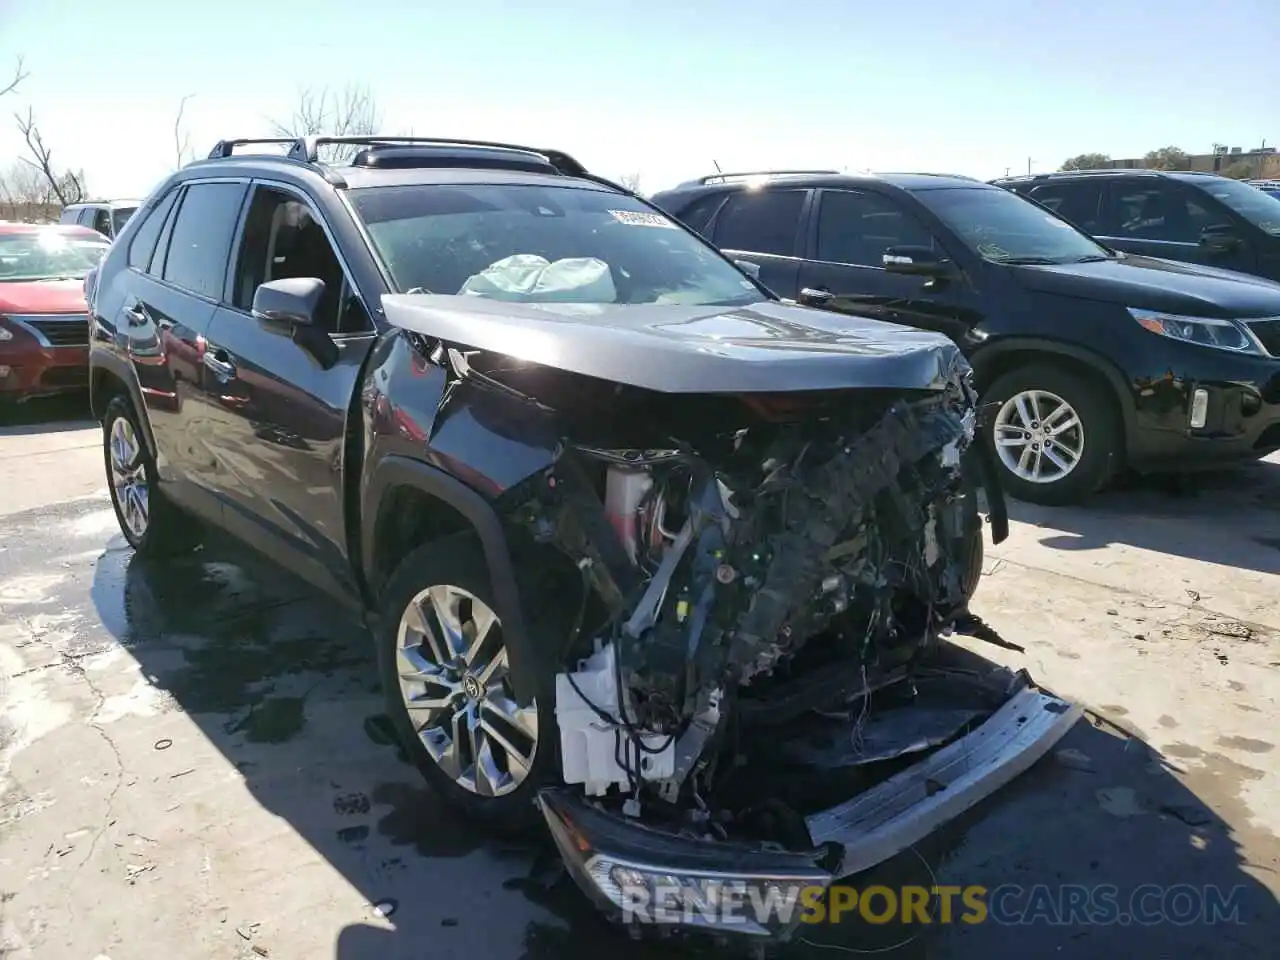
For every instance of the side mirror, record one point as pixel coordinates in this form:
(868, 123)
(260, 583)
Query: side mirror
(292, 302)
(915, 261)
(1219, 238)
(752, 270)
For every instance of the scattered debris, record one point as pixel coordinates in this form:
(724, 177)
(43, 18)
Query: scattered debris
(133, 871)
(1113, 612)
(1230, 628)
(139, 836)
(163, 744)
(182, 773)
(1119, 801)
(1195, 597)
(385, 908)
(244, 933)
(972, 625)
(1189, 814)
(260, 951)
(349, 804)
(1075, 759)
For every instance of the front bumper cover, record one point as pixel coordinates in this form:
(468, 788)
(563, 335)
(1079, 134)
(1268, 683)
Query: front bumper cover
(642, 876)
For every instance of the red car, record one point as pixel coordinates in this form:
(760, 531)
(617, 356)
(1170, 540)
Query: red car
(44, 324)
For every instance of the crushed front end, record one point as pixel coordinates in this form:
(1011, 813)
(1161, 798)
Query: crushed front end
(783, 577)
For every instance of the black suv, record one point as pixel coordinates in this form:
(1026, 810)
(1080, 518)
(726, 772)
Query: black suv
(620, 520)
(1090, 359)
(1193, 217)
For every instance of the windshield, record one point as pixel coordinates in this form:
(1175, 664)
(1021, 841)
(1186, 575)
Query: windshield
(1004, 228)
(48, 254)
(119, 217)
(539, 244)
(1257, 206)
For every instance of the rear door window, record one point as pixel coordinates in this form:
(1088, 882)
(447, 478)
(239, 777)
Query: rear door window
(200, 245)
(1081, 203)
(1153, 210)
(760, 221)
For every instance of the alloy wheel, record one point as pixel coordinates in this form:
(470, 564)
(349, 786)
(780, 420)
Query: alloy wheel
(1039, 436)
(454, 682)
(129, 477)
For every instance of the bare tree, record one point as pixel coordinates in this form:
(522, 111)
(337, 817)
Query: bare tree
(630, 181)
(24, 193)
(65, 187)
(349, 112)
(181, 139)
(18, 76)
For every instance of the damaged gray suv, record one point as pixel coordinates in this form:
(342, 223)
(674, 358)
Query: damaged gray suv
(644, 549)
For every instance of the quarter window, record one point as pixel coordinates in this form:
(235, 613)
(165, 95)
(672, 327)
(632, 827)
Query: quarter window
(143, 244)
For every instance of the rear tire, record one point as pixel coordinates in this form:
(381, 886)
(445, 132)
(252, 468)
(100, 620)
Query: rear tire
(151, 523)
(442, 664)
(1056, 435)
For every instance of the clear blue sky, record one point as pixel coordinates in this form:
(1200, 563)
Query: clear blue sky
(659, 87)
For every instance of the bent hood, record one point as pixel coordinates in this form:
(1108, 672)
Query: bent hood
(42, 296)
(1154, 284)
(674, 348)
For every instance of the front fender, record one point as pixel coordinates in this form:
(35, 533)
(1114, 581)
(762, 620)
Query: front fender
(394, 471)
(104, 363)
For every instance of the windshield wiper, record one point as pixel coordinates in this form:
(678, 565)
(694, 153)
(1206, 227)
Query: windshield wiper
(1093, 258)
(1029, 261)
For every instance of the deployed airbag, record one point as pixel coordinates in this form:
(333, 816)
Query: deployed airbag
(529, 278)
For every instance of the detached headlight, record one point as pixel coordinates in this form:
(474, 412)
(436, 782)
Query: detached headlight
(1205, 331)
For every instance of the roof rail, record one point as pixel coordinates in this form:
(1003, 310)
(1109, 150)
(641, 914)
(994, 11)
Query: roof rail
(724, 177)
(307, 149)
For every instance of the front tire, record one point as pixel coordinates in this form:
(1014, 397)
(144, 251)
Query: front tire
(151, 523)
(443, 664)
(1055, 434)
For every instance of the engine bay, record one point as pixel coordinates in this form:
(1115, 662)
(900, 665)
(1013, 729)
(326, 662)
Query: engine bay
(790, 564)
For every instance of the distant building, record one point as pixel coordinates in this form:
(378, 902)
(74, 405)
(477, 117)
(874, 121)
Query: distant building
(1261, 163)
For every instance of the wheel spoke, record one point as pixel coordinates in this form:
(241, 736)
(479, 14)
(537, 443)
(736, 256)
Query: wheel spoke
(1024, 461)
(522, 719)
(1056, 460)
(1035, 407)
(1059, 428)
(476, 631)
(444, 604)
(494, 670)
(1024, 413)
(518, 761)
(417, 666)
(415, 619)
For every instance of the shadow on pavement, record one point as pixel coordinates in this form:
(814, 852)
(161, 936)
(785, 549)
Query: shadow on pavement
(1228, 517)
(283, 685)
(45, 415)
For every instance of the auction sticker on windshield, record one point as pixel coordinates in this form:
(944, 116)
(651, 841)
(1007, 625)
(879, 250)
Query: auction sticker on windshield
(638, 218)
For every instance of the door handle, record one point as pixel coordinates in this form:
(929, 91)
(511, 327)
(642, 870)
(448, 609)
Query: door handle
(136, 315)
(816, 295)
(216, 360)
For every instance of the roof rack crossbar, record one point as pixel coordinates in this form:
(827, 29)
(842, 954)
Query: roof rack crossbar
(226, 148)
(718, 177)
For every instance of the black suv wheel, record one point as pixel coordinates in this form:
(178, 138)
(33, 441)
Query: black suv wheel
(442, 660)
(1053, 433)
(152, 525)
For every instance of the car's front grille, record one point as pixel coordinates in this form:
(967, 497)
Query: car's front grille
(69, 330)
(1268, 333)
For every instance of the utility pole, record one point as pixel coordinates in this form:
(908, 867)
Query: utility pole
(1029, 161)
(1006, 170)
